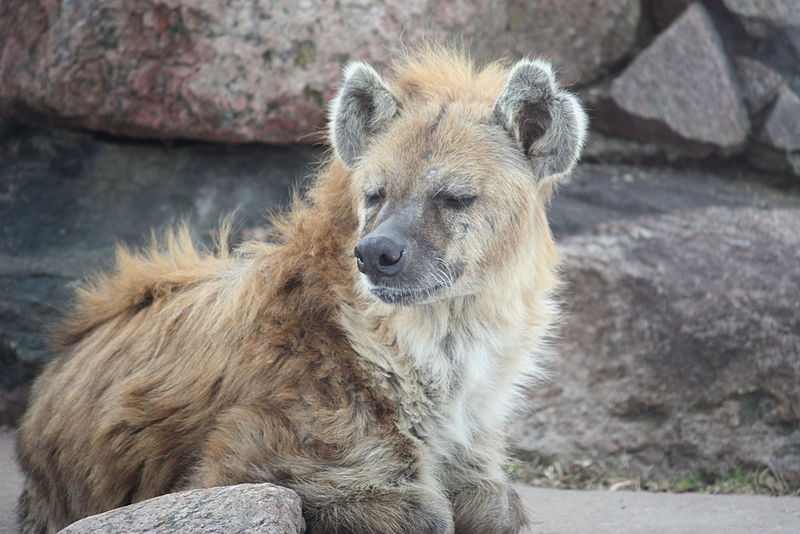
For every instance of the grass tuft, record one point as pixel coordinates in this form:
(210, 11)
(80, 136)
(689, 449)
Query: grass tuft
(588, 474)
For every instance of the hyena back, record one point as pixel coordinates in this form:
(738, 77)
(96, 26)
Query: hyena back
(368, 359)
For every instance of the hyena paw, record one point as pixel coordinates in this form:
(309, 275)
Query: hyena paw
(488, 509)
(433, 516)
(400, 511)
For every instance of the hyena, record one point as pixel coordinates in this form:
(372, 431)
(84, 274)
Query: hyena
(368, 357)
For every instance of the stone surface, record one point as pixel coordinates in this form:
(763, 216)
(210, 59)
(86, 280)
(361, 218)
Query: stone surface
(584, 38)
(260, 70)
(67, 197)
(761, 17)
(680, 89)
(246, 508)
(681, 351)
(778, 145)
(759, 83)
(782, 126)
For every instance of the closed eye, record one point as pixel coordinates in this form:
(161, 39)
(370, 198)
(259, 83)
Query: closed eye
(453, 201)
(373, 198)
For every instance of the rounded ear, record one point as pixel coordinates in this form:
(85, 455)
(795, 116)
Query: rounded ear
(361, 109)
(549, 124)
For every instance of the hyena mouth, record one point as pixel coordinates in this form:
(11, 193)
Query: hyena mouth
(405, 296)
(409, 295)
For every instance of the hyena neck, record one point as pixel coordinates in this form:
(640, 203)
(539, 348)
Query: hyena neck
(471, 356)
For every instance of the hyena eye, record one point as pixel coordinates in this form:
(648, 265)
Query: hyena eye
(373, 198)
(454, 202)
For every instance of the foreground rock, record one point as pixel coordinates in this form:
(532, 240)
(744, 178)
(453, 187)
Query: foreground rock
(680, 90)
(680, 352)
(246, 508)
(260, 70)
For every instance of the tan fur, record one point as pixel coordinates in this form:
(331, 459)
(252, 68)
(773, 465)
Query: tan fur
(185, 369)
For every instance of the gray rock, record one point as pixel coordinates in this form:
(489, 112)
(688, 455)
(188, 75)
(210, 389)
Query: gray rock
(759, 83)
(246, 508)
(261, 70)
(583, 38)
(611, 149)
(782, 126)
(681, 351)
(679, 90)
(777, 148)
(761, 18)
(66, 198)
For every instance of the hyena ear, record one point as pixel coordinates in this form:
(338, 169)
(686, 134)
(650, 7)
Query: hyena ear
(548, 123)
(361, 109)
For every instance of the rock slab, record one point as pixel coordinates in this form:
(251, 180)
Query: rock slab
(583, 38)
(261, 70)
(782, 127)
(681, 352)
(778, 145)
(759, 83)
(246, 508)
(680, 89)
(66, 197)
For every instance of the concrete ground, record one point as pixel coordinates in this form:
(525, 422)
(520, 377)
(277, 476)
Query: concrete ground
(620, 512)
(10, 482)
(572, 511)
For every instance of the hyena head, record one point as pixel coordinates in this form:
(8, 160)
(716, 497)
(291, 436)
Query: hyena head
(447, 186)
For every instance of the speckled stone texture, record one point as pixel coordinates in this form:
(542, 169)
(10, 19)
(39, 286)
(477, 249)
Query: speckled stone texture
(778, 143)
(680, 89)
(782, 127)
(261, 70)
(759, 83)
(246, 508)
(761, 17)
(680, 351)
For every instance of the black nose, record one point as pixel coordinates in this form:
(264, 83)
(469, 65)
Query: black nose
(380, 255)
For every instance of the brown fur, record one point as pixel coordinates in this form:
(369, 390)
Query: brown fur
(184, 369)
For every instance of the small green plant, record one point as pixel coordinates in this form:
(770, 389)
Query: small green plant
(689, 483)
(588, 474)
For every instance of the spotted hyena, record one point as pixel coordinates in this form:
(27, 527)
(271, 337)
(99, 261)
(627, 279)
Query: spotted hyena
(368, 358)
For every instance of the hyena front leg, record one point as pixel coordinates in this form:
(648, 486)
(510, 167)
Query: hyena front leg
(483, 500)
(364, 489)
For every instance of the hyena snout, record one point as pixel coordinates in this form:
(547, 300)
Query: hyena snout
(381, 255)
